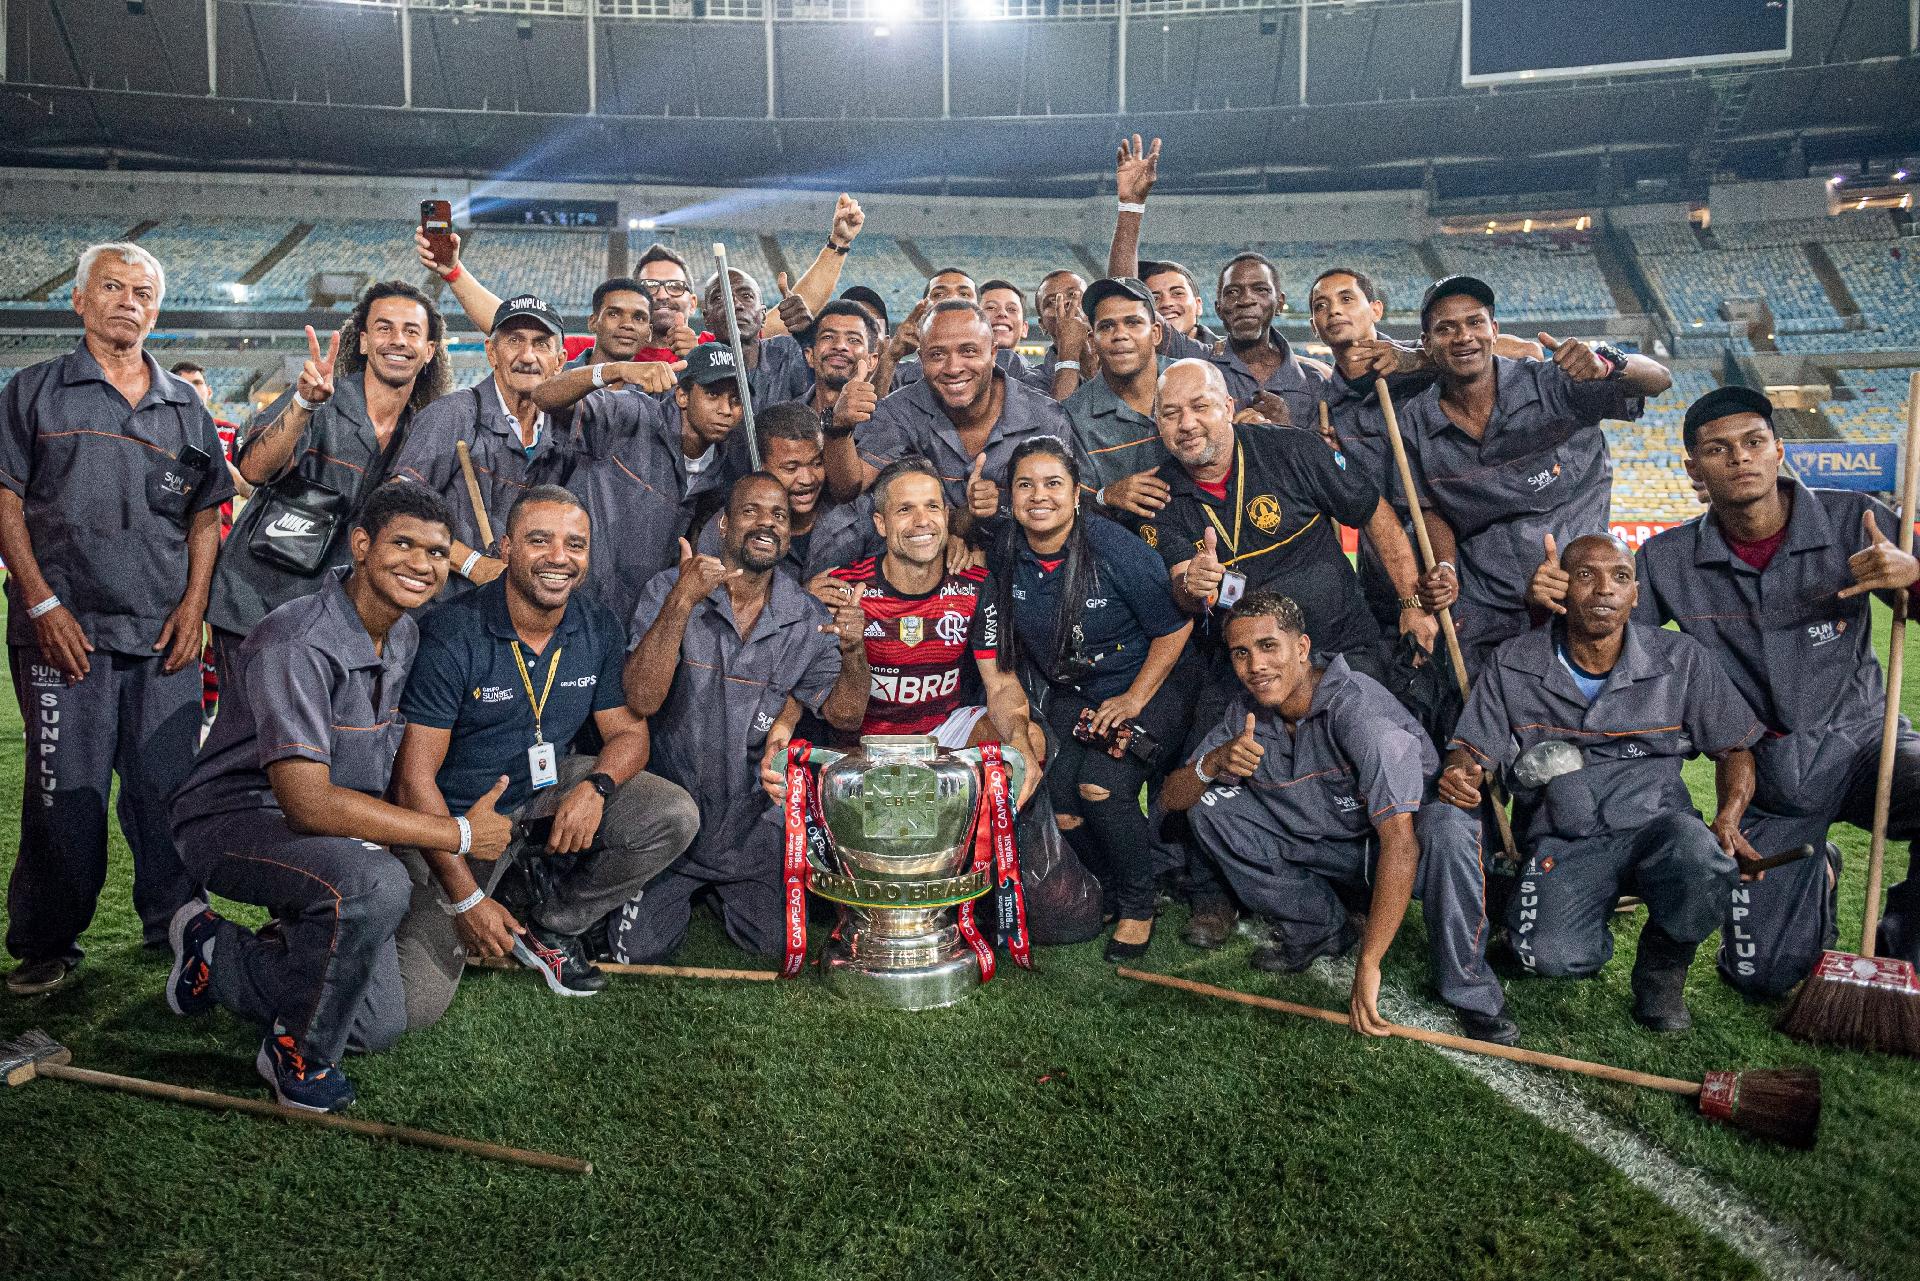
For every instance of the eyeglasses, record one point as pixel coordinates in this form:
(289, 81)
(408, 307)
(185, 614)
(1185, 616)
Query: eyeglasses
(671, 288)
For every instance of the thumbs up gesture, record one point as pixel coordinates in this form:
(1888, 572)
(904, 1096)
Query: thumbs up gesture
(793, 310)
(858, 398)
(1576, 358)
(983, 496)
(1881, 565)
(1204, 571)
(1548, 589)
(1239, 756)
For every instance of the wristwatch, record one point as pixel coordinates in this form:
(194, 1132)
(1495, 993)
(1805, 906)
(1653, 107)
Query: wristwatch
(602, 784)
(1615, 358)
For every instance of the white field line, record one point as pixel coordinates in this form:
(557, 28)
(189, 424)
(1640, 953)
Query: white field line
(1686, 1191)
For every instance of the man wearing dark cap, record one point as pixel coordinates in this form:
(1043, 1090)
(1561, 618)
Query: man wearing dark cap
(1510, 452)
(640, 464)
(1112, 414)
(1774, 580)
(512, 440)
(1588, 722)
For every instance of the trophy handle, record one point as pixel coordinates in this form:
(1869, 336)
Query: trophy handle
(819, 757)
(1013, 758)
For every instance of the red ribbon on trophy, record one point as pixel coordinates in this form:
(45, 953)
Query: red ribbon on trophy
(1010, 900)
(794, 858)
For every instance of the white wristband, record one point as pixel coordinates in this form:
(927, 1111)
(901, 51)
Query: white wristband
(45, 607)
(599, 378)
(1200, 771)
(1448, 566)
(1129, 206)
(466, 566)
(1074, 365)
(465, 905)
(466, 834)
(303, 402)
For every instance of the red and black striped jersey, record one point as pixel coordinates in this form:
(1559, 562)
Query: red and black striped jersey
(917, 646)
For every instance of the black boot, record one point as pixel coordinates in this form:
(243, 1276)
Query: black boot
(1660, 981)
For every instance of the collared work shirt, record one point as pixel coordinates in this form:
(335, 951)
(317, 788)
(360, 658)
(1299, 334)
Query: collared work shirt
(1356, 759)
(465, 680)
(911, 421)
(308, 686)
(1296, 381)
(1665, 700)
(106, 494)
(1116, 439)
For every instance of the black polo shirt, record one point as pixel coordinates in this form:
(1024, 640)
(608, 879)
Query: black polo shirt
(1285, 494)
(1129, 604)
(465, 679)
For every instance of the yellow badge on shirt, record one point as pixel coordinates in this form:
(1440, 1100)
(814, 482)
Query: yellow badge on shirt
(1264, 511)
(1151, 535)
(912, 630)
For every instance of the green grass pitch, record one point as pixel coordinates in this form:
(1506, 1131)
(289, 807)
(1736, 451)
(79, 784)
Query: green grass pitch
(1063, 1123)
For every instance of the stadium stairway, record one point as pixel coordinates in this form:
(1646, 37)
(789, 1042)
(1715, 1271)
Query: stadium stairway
(777, 259)
(915, 256)
(252, 275)
(1830, 279)
(1628, 297)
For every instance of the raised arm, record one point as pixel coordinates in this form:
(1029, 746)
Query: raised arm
(1134, 172)
(475, 299)
(817, 283)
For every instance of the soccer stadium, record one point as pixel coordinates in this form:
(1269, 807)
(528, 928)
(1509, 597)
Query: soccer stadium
(788, 372)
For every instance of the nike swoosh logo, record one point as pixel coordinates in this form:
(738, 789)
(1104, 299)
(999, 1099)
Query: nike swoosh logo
(275, 531)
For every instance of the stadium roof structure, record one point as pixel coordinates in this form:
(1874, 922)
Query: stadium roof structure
(1002, 97)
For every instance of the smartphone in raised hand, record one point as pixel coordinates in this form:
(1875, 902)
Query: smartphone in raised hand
(436, 223)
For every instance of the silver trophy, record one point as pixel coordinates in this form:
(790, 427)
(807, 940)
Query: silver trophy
(899, 812)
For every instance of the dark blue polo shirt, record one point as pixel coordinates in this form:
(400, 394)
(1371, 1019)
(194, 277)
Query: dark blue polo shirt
(465, 680)
(1129, 604)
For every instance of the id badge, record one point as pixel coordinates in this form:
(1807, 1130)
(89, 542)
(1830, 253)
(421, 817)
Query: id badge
(1233, 585)
(543, 765)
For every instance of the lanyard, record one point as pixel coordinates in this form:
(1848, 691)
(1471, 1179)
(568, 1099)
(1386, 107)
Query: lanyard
(1239, 502)
(539, 704)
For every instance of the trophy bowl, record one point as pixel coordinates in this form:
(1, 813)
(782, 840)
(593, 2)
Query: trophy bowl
(899, 812)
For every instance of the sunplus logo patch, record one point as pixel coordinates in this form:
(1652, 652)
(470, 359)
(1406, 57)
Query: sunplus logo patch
(1541, 479)
(1825, 633)
(1347, 804)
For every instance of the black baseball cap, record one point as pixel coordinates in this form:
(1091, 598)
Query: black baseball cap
(1115, 287)
(1719, 403)
(867, 298)
(710, 362)
(531, 307)
(1455, 287)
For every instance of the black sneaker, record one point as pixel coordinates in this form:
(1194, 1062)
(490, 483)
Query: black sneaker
(37, 978)
(1275, 957)
(1660, 981)
(308, 1084)
(560, 961)
(191, 933)
(1497, 1028)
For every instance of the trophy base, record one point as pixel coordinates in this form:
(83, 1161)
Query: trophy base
(945, 980)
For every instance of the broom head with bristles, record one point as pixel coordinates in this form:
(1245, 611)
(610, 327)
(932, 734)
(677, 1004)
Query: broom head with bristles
(1860, 1002)
(1778, 1104)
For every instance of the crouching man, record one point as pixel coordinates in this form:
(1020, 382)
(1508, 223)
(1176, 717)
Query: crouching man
(728, 652)
(1312, 784)
(283, 809)
(1588, 721)
(508, 677)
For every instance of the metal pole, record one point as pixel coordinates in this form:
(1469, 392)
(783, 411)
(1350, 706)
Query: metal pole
(946, 65)
(739, 354)
(1303, 52)
(1913, 26)
(593, 61)
(213, 45)
(1120, 81)
(767, 7)
(406, 55)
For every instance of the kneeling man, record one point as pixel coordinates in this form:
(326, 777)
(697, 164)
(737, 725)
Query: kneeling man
(507, 678)
(283, 809)
(729, 652)
(1314, 782)
(1588, 721)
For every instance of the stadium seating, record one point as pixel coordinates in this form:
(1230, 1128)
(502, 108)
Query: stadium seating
(744, 253)
(383, 250)
(35, 250)
(562, 267)
(1537, 277)
(1884, 279)
(1870, 404)
(1649, 481)
(877, 262)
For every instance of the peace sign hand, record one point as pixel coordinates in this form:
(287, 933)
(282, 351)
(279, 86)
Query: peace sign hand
(315, 385)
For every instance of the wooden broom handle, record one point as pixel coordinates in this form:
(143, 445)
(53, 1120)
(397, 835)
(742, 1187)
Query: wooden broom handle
(650, 971)
(1427, 561)
(473, 495)
(328, 1120)
(1896, 670)
(1532, 1058)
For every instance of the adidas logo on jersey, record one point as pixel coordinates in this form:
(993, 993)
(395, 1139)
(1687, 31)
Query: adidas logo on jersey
(874, 630)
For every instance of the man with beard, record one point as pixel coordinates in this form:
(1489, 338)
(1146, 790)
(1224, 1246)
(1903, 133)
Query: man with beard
(1624, 703)
(966, 417)
(922, 621)
(285, 809)
(506, 679)
(792, 451)
(776, 365)
(840, 347)
(1112, 414)
(512, 440)
(728, 656)
(1509, 451)
(642, 464)
(1774, 580)
(663, 277)
(110, 489)
(1315, 780)
(339, 427)
(1176, 291)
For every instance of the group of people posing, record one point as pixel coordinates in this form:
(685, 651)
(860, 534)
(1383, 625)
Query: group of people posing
(510, 669)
